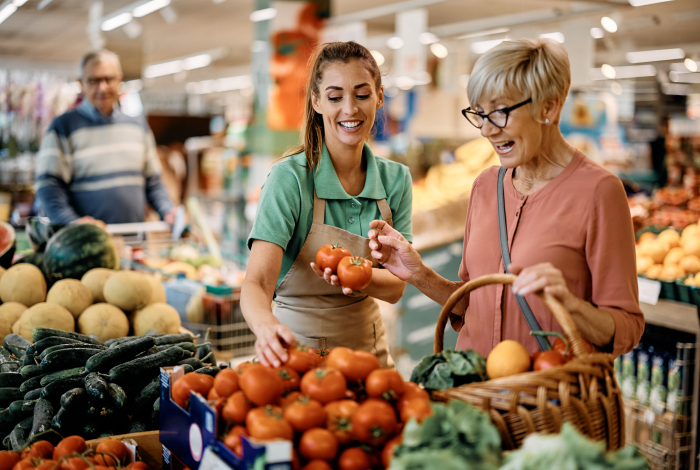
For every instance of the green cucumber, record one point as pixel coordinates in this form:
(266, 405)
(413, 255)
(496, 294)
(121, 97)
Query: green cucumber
(19, 435)
(63, 422)
(110, 343)
(29, 360)
(43, 414)
(67, 359)
(146, 366)
(63, 374)
(31, 371)
(51, 341)
(209, 371)
(89, 430)
(192, 362)
(8, 395)
(117, 395)
(59, 347)
(148, 352)
(21, 409)
(31, 384)
(16, 344)
(10, 366)
(8, 362)
(33, 394)
(40, 333)
(118, 354)
(191, 347)
(11, 379)
(7, 421)
(55, 389)
(74, 397)
(187, 368)
(95, 385)
(174, 339)
(149, 393)
(138, 426)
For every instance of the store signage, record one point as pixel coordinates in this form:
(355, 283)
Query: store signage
(649, 291)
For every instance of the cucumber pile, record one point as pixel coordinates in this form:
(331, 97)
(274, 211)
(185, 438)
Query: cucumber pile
(74, 384)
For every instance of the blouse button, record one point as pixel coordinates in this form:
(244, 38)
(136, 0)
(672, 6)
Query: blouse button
(352, 204)
(522, 197)
(351, 220)
(517, 213)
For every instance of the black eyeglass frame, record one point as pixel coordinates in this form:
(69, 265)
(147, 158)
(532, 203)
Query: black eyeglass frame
(487, 116)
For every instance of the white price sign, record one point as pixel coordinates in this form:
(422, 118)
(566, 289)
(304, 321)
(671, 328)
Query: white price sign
(649, 291)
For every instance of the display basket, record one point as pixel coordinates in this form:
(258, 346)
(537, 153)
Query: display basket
(583, 392)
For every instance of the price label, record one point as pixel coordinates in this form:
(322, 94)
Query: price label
(649, 291)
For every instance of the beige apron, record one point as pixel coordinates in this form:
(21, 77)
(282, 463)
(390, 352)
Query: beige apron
(320, 315)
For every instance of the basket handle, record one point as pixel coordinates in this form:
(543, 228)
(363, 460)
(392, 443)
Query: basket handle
(560, 313)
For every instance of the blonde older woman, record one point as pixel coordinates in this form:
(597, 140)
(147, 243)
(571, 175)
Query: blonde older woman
(568, 225)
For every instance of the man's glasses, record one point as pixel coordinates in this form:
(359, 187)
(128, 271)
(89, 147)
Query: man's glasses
(498, 117)
(95, 81)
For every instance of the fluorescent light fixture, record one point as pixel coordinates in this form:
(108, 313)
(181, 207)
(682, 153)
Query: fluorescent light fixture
(219, 85)
(394, 42)
(439, 50)
(676, 89)
(654, 56)
(558, 37)
(488, 32)
(7, 11)
(691, 65)
(616, 88)
(641, 3)
(597, 33)
(116, 21)
(378, 57)
(165, 68)
(150, 7)
(428, 38)
(684, 77)
(608, 24)
(480, 47)
(608, 71)
(263, 15)
(196, 62)
(19, 3)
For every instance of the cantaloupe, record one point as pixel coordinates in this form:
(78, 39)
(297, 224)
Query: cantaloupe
(46, 315)
(105, 321)
(23, 283)
(157, 289)
(674, 256)
(128, 290)
(95, 281)
(690, 264)
(160, 317)
(11, 311)
(691, 246)
(71, 294)
(643, 264)
(671, 237)
(654, 271)
(671, 273)
(646, 236)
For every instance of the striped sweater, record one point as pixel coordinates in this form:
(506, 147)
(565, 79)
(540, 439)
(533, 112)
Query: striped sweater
(102, 166)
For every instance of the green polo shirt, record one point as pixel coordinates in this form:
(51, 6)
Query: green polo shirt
(285, 210)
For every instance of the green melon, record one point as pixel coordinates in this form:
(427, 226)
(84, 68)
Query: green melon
(75, 250)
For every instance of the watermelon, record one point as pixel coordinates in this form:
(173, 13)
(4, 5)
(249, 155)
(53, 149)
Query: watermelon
(77, 249)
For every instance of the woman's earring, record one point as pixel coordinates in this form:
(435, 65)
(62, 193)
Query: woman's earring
(546, 121)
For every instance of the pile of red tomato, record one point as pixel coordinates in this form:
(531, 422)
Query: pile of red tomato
(338, 407)
(71, 453)
(354, 272)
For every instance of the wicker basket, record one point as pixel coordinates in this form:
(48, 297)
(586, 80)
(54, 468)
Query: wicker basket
(583, 392)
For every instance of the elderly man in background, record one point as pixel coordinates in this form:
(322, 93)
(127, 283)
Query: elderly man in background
(97, 165)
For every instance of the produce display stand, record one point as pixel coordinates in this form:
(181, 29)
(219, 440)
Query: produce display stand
(145, 444)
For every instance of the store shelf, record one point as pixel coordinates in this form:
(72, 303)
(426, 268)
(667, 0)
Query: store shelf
(675, 315)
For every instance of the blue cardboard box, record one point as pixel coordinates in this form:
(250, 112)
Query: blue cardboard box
(187, 434)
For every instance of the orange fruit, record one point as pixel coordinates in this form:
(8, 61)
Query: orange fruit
(508, 358)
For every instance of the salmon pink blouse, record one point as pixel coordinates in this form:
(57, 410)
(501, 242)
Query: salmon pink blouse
(579, 222)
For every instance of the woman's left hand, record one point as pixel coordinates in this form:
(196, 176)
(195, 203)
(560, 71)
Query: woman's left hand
(547, 278)
(330, 278)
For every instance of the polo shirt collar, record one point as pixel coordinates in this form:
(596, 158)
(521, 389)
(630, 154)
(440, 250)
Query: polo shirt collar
(328, 185)
(88, 110)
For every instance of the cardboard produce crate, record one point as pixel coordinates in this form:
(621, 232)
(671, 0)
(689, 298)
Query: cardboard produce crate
(144, 444)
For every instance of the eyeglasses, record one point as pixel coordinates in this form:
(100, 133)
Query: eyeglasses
(498, 117)
(95, 81)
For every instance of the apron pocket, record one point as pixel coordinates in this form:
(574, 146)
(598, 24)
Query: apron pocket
(314, 343)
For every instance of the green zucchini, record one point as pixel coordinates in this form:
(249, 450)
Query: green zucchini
(95, 385)
(43, 414)
(21, 409)
(31, 384)
(7, 421)
(40, 333)
(8, 395)
(31, 371)
(117, 395)
(16, 344)
(59, 347)
(55, 389)
(174, 339)
(11, 379)
(51, 341)
(74, 397)
(118, 354)
(63, 374)
(67, 359)
(209, 371)
(33, 394)
(149, 393)
(146, 366)
(19, 435)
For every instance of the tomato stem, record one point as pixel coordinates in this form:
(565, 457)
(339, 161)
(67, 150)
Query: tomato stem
(357, 260)
(553, 333)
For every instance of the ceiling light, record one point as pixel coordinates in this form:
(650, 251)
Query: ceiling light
(7, 11)
(654, 56)
(684, 77)
(608, 24)
(558, 37)
(597, 33)
(196, 62)
(641, 3)
(222, 84)
(150, 7)
(19, 3)
(608, 71)
(166, 68)
(168, 14)
(378, 57)
(616, 88)
(428, 38)
(404, 82)
(263, 15)
(691, 65)
(488, 32)
(676, 89)
(439, 50)
(394, 42)
(116, 21)
(480, 47)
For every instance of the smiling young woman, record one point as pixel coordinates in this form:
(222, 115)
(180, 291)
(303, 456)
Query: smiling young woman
(326, 190)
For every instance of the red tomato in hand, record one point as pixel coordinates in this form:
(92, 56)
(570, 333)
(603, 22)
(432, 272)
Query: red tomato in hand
(338, 422)
(267, 423)
(548, 359)
(374, 422)
(324, 385)
(191, 382)
(354, 458)
(226, 383)
(354, 365)
(69, 445)
(328, 256)
(318, 443)
(305, 414)
(355, 272)
(261, 385)
(384, 383)
(290, 378)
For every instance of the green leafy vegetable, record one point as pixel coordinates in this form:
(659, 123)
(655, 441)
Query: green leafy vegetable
(449, 369)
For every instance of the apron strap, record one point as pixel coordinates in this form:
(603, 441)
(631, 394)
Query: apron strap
(385, 211)
(319, 210)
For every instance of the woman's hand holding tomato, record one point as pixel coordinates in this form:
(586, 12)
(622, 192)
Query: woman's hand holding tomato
(328, 256)
(339, 268)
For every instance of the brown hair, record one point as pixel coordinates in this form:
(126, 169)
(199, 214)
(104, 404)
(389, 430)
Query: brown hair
(311, 136)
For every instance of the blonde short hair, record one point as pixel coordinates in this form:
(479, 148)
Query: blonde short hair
(527, 68)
